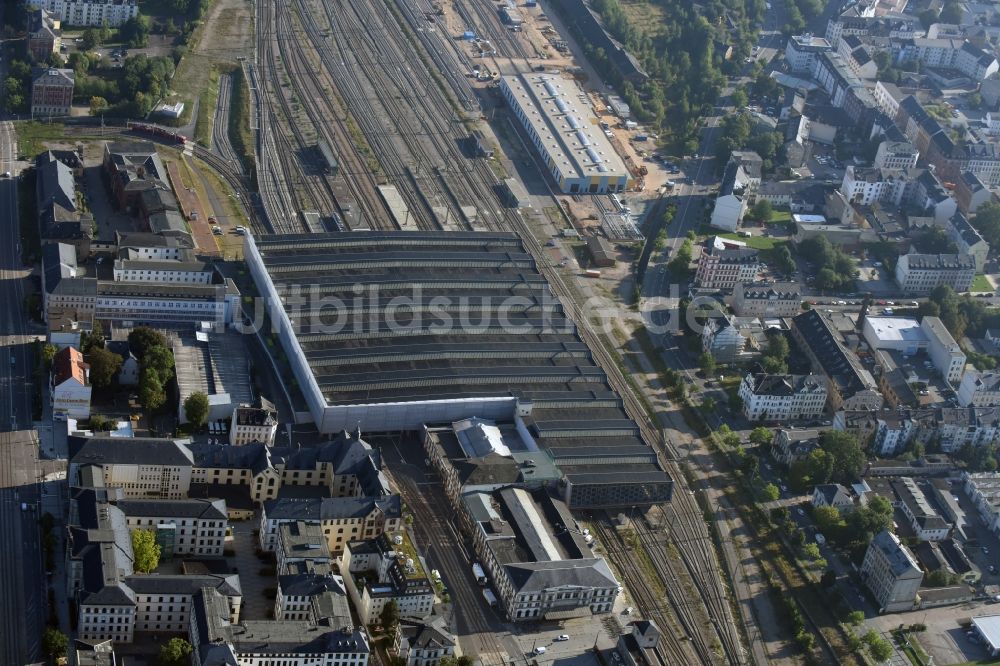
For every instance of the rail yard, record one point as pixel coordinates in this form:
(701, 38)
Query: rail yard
(385, 93)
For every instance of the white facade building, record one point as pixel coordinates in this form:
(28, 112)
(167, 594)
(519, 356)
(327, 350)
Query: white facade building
(891, 573)
(980, 389)
(782, 397)
(983, 488)
(189, 526)
(801, 52)
(163, 272)
(252, 424)
(75, 13)
(921, 273)
(70, 386)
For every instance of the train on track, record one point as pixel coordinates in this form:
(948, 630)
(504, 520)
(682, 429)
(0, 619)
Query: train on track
(160, 132)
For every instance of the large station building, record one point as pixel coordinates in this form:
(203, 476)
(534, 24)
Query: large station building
(394, 331)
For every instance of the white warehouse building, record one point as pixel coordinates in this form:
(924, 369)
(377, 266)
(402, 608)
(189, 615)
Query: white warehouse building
(562, 126)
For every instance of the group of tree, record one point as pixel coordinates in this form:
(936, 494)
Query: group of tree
(156, 366)
(141, 82)
(680, 264)
(686, 69)
(774, 358)
(934, 240)
(961, 315)
(836, 269)
(17, 87)
(979, 458)
(798, 14)
(95, 36)
(838, 459)
(145, 550)
(856, 527)
(175, 652)
(987, 223)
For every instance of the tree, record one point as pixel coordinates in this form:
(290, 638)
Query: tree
(856, 617)
(145, 550)
(175, 652)
(708, 405)
(151, 392)
(49, 352)
(783, 259)
(390, 616)
(160, 359)
(761, 436)
(104, 366)
(848, 458)
(98, 105)
(762, 210)
(928, 17)
(951, 13)
(89, 340)
(91, 38)
(143, 338)
(681, 262)
(811, 551)
(707, 363)
(54, 643)
(828, 520)
(880, 648)
(940, 578)
(770, 493)
(739, 98)
(99, 422)
(819, 464)
(196, 409)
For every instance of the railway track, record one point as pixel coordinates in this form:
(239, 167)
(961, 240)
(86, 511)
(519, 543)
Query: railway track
(375, 60)
(674, 647)
(220, 130)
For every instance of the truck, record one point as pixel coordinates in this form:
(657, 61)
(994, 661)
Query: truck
(592, 273)
(491, 598)
(478, 573)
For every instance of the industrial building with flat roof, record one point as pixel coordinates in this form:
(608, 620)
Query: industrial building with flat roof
(394, 331)
(559, 120)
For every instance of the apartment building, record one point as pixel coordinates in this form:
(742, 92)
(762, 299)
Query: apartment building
(51, 91)
(253, 424)
(971, 193)
(794, 444)
(731, 339)
(80, 13)
(925, 521)
(832, 495)
(183, 527)
(343, 519)
(767, 299)
(983, 488)
(966, 237)
(539, 569)
(44, 34)
(979, 389)
(740, 182)
(399, 577)
(801, 52)
(943, 53)
(891, 572)
(896, 155)
(70, 385)
(782, 397)
(424, 642)
(723, 265)
(921, 273)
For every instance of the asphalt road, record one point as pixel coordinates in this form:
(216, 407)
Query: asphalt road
(21, 579)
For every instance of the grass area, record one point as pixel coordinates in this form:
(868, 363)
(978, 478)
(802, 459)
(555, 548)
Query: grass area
(981, 283)
(411, 553)
(207, 103)
(649, 18)
(780, 217)
(240, 134)
(756, 242)
(32, 136)
(908, 645)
